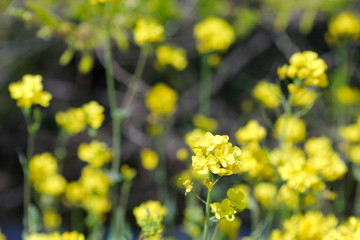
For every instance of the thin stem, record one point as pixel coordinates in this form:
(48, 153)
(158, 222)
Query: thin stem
(161, 173)
(129, 96)
(207, 210)
(215, 231)
(205, 86)
(357, 199)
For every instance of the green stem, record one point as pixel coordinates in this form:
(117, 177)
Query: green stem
(129, 96)
(161, 176)
(205, 86)
(357, 199)
(207, 210)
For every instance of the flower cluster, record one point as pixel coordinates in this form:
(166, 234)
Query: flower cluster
(310, 226)
(213, 34)
(161, 100)
(229, 206)
(290, 129)
(95, 153)
(149, 216)
(76, 120)
(168, 55)
(346, 231)
(268, 94)
(148, 31)
(344, 26)
(351, 133)
(252, 132)
(29, 91)
(215, 154)
(205, 123)
(306, 66)
(56, 236)
(43, 175)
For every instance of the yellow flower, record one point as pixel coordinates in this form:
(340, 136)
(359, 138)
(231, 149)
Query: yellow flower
(95, 181)
(42, 166)
(267, 93)
(215, 154)
(171, 55)
(265, 194)
(94, 114)
(148, 31)
(127, 172)
(95, 153)
(29, 91)
(353, 152)
(2, 236)
(350, 132)
(74, 193)
(97, 205)
(72, 236)
(214, 60)
(52, 185)
(245, 190)
(230, 228)
(43, 236)
(149, 216)
(223, 210)
(51, 219)
(252, 132)
(149, 159)
(161, 100)
(291, 129)
(182, 154)
(72, 121)
(345, 25)
(310, 226)
(302, 96)
(306, 66)
(188, 186)
(350, 230)
(205, 123)
(208, 184)
(236, 198)
(213, 34)
(347, 95)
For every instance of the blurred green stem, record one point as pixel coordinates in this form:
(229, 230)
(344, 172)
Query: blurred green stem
(207, 209)
(205, 86)
(161, 172)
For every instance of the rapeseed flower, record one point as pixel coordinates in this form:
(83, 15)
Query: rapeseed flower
(127, 172)
(215, 154)
(213, 34)
(95, 181)
(223, 210)
(51, 219)
(350, 230)
(251, 132)
(268, 94)
(149, 216)
(148, 31)
(94, 114)
(149, 159)
(53, 185)
(306, 66)
(95, 153)
(290, 129)
(29, 91)
(301, 95)
(347, 95)
(72, 121)
(346, 25)
(167, 55)
(182, 154)
(42, 166)
(188, 186)
(161, 100)
(205, 123)
(265, 193)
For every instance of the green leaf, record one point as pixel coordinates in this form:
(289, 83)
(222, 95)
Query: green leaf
(23, 161)
(44, 15)
(34, 218)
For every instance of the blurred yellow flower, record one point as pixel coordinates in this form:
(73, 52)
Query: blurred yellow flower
(182, 154)
(171, 55)
(72, 121)
(53, 185)
(95, 181)
(97, 205)
(265, 193)
(267, 93)
(51, 219)
(251, 132)
(161, 100)
(346, 25)
(213, 34)
(223, 210)
(42, 166)
(72, 236)
(148, 31)
(95, 153)
(149, 159)
(94, 114)
(347, 231)
(348, 95)
(230, 228)
(301, 95)
(290, 129)
(75, 193)
(127, 172)
(214, 60)
(205, 123)
(2, 236)
(29, 91)
(188, 186)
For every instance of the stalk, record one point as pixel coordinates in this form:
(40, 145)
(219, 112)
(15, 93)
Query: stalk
(207, 211)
